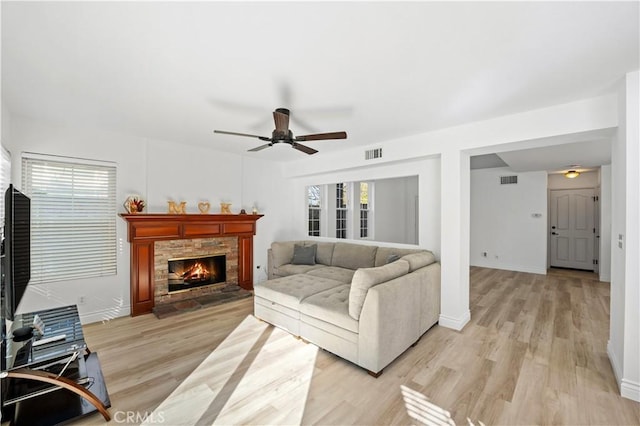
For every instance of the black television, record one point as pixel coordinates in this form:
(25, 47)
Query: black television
(16, 250)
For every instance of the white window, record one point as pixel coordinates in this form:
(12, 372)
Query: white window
(366, 193)
(73, 217)
(314, 207)
(342, 206)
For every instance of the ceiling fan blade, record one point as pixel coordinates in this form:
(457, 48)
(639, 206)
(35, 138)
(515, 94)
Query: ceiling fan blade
(322, 136)
(241, 134)
(281, 118)
(260, 148)
(303, 148)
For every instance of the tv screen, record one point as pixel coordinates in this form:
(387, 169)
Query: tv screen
(16, 262)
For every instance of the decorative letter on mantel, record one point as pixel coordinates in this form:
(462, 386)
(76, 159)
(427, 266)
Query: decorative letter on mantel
(145, 229)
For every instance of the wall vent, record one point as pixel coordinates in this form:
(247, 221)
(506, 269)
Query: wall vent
(373, 153)
(507, 180)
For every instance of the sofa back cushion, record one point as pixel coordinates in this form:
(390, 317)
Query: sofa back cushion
(383, 254)
(282, 252)
(419, 260)
(324, 253)
(353, 256)
(365, 278)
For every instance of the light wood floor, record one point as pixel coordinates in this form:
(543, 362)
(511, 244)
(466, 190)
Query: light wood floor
(533, 353)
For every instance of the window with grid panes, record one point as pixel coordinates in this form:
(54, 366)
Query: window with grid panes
(314, 209)
(341, 209)
(364, 210)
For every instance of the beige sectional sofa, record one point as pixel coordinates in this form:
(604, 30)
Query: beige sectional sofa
(366, 304)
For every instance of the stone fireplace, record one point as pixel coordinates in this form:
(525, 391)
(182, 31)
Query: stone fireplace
(157, 238)
(174, 258)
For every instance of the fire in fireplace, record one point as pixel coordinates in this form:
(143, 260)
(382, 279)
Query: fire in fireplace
(187, 273)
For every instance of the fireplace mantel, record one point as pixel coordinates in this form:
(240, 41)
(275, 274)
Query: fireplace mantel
(145, 229)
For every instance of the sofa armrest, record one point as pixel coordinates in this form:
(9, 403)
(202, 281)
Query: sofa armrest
(395, 314)
(389, 322)
(429, 295)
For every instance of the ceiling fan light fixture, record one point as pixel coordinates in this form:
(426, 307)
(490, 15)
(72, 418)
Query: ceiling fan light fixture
(572, 174)
(282, 134)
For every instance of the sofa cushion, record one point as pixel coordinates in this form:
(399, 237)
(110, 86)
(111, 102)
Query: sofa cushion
(282, 252)
(366, 278)
(324, 252)
(289, 269)
(383, 253)
(304, 255)
(331, 306)
(353, 256)
(343, 275)
(419, 260)
(290, 291)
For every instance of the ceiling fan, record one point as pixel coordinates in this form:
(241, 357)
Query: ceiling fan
(282, 134)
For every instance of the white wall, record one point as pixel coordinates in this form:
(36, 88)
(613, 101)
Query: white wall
(503, 223)
(157, 170)
(265, 188)
(624, 334)
(394, 210)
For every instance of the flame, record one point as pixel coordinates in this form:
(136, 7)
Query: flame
(196, 273)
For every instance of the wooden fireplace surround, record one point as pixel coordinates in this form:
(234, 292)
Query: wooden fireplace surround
(145, 229)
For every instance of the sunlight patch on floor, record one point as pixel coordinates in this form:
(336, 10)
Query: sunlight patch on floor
(425, 412)
(258, 374)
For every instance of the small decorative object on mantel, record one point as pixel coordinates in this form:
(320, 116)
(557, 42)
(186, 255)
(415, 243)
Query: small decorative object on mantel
(243, 211)
(225, 208)
(204, 207)
(254, 210)
(134, 204)
(175, 208)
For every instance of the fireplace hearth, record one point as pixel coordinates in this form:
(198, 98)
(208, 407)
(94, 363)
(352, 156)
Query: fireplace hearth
(190, 272)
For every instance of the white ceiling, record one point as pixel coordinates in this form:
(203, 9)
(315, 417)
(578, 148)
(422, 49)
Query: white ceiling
(580, 156)
(378, 70)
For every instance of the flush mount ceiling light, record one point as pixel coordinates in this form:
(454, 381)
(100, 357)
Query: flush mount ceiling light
(571, 174)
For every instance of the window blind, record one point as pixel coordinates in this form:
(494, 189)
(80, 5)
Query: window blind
(73, 218)
(5, 180)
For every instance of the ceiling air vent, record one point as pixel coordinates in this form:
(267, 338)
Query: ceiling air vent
(373, 153)
(507, 180)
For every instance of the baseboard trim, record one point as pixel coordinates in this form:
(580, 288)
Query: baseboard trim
(455, 323)
(508, 267)
(103, 314)
(628, 388)
(613, 361)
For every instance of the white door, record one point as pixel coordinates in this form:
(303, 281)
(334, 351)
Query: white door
(572, 228)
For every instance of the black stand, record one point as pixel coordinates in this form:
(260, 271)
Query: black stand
(55, 380)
